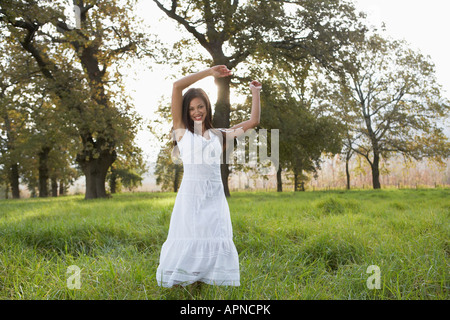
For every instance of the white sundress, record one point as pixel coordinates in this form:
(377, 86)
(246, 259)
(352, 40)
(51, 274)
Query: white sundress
(199, 246)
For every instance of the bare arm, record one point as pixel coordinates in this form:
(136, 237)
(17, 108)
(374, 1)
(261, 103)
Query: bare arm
(241, 128)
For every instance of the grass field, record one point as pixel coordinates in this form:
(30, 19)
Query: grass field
(304, 245)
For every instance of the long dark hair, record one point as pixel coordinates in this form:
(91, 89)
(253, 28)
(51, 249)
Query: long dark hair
(189, 123)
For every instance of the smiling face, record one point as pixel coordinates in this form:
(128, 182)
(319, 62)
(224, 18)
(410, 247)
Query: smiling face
(197, 109)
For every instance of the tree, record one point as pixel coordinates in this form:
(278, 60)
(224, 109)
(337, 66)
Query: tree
(33, 137)
(391, 94)
(234, 33)
(348, 154)
(15, 85)
(78, 66)
(306, 133)
(348, 119)
(168, 172)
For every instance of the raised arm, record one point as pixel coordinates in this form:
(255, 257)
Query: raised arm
(183, 83)
(237, 130)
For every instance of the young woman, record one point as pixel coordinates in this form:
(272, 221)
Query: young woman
(199, 246)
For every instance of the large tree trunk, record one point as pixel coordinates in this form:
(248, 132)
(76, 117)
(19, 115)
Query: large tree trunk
(14, 181)
(113, 180)
(43, 172)
(95, 171)
(376, 171)
(299, 184)
(279, 181)
(54, 187)
(95, 185)
(176, 178)
(221, 119)
(61, 187)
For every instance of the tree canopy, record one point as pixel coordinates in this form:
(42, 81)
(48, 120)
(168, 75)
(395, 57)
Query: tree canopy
(82, 78)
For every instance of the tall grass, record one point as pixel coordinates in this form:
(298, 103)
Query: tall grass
(302, 245)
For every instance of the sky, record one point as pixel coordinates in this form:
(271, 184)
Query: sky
(423, 24)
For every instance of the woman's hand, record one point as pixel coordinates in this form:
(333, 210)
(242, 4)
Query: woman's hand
(220, 71)
(255, 86)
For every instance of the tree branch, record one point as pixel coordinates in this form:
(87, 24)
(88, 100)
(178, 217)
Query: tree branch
(238, 57)
(365, 155)
(130, 46)
(172, 14)
(389, 119)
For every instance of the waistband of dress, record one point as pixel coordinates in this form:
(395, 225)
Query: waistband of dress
(195, 178)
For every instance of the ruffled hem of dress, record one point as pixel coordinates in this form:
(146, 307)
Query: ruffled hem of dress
(169, 279)
(185, 261)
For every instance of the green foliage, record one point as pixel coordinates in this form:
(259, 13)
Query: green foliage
(127, 170)
(127, 177)
(84, 100)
